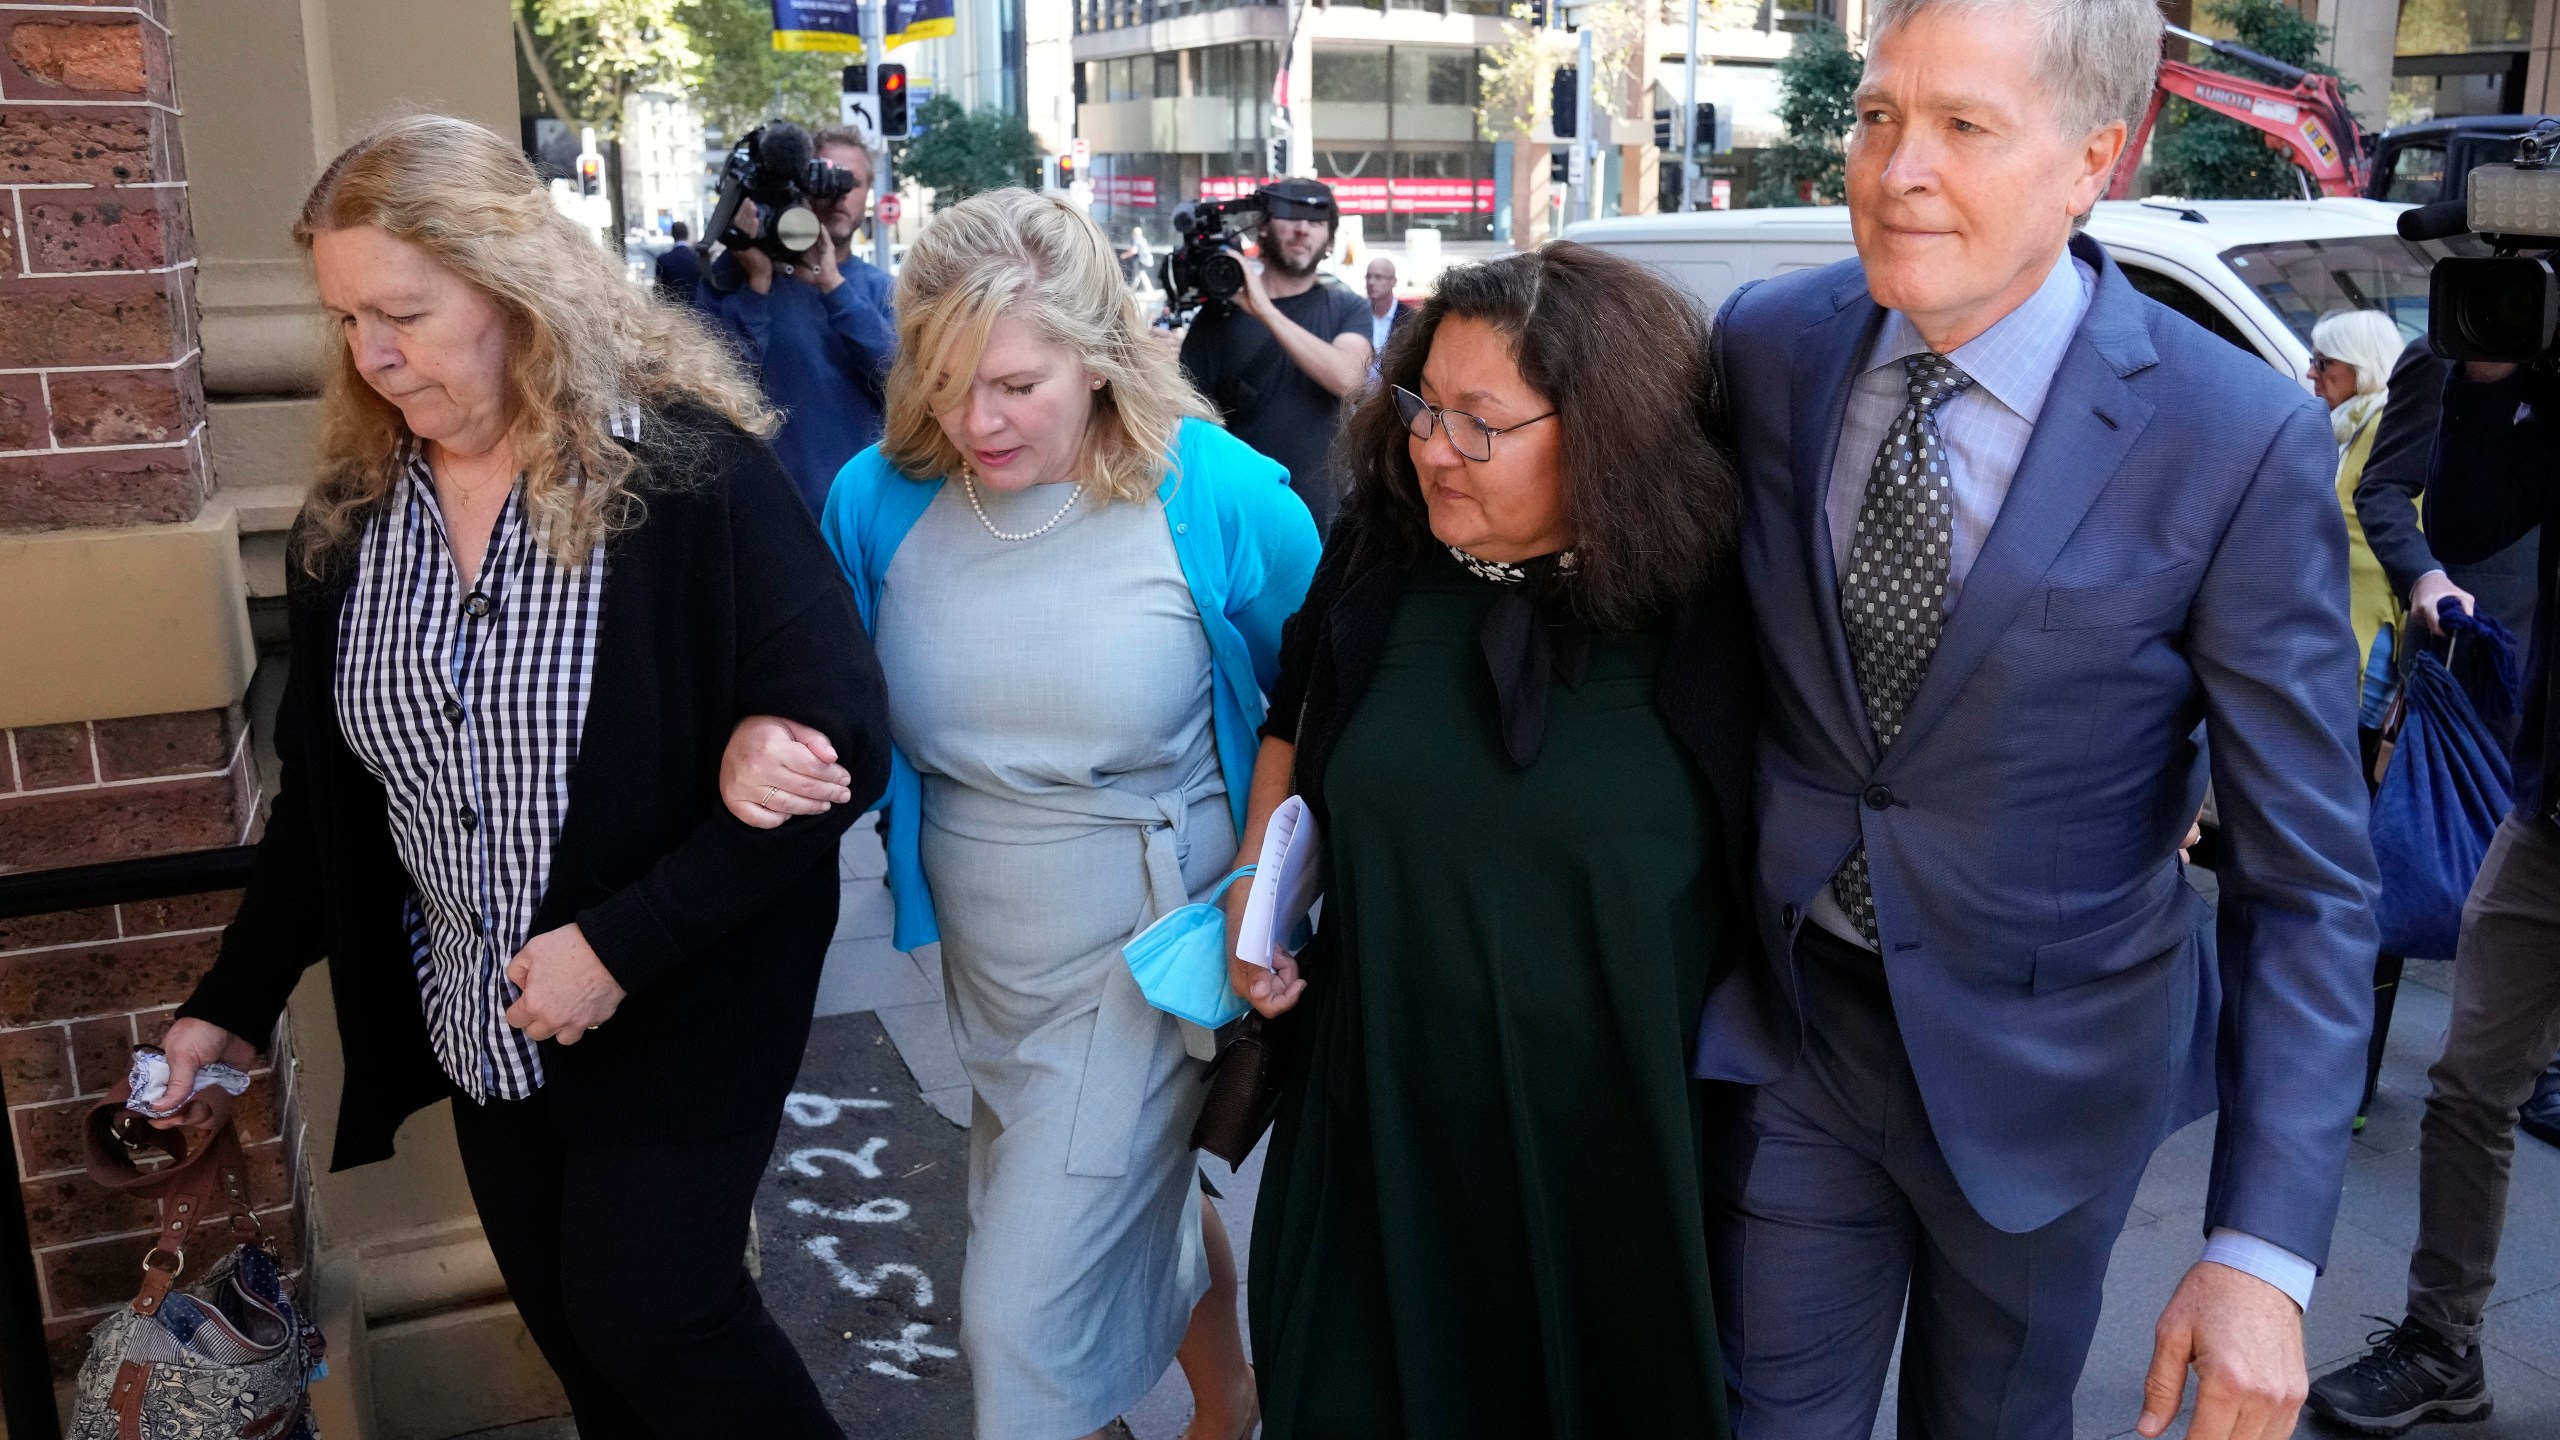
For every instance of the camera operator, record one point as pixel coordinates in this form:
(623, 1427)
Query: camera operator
(819, 331)
(2496, 477)
(1279, 358)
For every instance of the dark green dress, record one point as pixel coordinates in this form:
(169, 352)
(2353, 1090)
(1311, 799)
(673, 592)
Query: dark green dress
(1480, 1215)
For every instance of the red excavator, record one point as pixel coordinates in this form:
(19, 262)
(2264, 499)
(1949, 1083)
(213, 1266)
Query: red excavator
(2302, 116)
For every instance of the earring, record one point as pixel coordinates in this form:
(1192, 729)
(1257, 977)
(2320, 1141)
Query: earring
(1097, 384)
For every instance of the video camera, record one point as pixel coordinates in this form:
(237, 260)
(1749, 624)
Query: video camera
(2503, 306)
(1200, 269)
(774, 169)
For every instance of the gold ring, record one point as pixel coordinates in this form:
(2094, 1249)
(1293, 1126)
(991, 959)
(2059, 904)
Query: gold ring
(771, 794)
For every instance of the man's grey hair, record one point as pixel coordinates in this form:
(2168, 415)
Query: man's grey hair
(2096, 59)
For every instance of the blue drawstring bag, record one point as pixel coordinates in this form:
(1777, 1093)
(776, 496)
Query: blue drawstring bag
(2448, 786)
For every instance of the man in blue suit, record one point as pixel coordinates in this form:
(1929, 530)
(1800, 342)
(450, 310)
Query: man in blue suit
(2032, 559)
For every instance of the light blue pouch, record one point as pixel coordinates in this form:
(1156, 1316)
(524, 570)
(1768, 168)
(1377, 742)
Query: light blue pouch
(1180, 962)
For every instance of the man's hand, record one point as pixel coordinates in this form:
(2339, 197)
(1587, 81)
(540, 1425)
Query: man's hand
(2243, 1337)
(191, 1045)
(757, 265)
(2486, 372)
(823, 268)
(2436, 586)
(563, 990)
(1253, 299)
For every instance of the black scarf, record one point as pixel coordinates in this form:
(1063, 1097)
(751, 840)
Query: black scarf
(1529, 634)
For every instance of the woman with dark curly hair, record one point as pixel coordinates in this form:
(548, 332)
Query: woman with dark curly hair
(1518, 703)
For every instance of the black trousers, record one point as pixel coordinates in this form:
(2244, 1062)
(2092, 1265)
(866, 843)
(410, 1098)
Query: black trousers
(628, 1264)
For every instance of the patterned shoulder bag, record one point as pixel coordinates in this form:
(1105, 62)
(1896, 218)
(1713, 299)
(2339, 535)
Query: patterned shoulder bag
(223, 1356)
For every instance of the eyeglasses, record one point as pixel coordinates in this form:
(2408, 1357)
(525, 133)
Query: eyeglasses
(2320, 363)
(1468, 435)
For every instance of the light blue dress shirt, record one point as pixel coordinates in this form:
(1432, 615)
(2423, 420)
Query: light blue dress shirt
(1984, 432)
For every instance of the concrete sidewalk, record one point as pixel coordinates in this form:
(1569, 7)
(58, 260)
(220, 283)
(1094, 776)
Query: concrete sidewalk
(2365, 1279)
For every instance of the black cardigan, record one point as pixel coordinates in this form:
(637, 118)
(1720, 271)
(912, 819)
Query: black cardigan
(721, 602)
(1708, 690)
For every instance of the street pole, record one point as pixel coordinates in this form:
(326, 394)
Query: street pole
(875, 50)
(1689, 119)
(1583, 140)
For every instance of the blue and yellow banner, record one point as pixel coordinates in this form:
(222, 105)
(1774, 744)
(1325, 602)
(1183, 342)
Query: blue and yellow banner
(834, 27)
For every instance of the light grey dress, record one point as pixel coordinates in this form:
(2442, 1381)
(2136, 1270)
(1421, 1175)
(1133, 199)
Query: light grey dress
(1054, 696)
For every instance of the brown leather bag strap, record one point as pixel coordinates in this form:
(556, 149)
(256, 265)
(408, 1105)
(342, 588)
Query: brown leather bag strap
(125, 1401)
(203, 1171)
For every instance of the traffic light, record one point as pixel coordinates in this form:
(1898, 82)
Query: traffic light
(590, 174)
(1559, 169)
(1066, 171)
(1704, 139)
(1566, 101)
(893, 102)
(1662, 136)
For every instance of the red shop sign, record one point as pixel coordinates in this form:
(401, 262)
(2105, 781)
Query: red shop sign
(1136, 192)
(1378, 195)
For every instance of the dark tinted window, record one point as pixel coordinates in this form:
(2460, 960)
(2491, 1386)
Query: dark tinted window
(2176, 295)
(2417, 175)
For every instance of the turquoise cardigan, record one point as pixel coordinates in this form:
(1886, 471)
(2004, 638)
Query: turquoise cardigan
(1247, 548)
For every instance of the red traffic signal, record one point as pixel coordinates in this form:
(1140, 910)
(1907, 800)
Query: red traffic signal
(590, 174)
(893, 102)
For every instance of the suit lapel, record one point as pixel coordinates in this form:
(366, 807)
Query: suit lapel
(2090, 420)
(1826, 363)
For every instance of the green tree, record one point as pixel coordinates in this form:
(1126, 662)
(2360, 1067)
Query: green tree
(744, 80)
(585, 56)
(965, 151)
(2198, 155)
(1815, 84)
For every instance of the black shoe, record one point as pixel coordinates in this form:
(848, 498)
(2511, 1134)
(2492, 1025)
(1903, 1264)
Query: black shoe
(2409, 1377)
(2540, 1117)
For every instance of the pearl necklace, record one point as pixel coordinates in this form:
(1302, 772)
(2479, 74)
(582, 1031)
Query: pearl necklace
(970, 485)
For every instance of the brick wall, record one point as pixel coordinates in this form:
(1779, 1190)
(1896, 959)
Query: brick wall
(101, 395)
(102, 424)
(79, 989)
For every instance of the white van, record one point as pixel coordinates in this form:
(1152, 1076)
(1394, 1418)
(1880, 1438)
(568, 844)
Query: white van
(2258, 273)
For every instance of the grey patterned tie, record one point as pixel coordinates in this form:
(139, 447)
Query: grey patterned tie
(1893, 595)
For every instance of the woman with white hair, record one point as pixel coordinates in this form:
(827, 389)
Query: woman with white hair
(1077, 584)
(546, 566)
(2352, 352)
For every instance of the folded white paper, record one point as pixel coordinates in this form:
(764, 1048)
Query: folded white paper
(1288, 877)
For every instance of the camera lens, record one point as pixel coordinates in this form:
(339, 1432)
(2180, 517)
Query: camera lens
(797, 228)
(1221, 276)
(828, 182)
(2502, 308)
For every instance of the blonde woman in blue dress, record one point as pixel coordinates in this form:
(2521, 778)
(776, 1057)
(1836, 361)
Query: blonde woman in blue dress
(1076, 583)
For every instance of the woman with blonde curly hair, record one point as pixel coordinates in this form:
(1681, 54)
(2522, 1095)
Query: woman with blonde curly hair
(1077, 584)
(546, 566)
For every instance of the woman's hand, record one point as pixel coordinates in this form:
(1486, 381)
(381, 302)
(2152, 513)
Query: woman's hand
(775, 769)
(1273, 992)
(562, 988)
(191, 1045)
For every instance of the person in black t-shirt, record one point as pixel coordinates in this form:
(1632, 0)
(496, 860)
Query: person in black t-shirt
(1278, 360)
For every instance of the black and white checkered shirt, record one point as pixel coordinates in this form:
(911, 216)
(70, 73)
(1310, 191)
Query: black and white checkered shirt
(466, 703)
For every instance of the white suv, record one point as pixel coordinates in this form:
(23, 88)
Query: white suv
(2258, 273)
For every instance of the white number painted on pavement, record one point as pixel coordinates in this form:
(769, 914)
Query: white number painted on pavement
(812, 1111)
(867, 1283)
(869, 1212)
(805, 1162)
(909, 1347)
